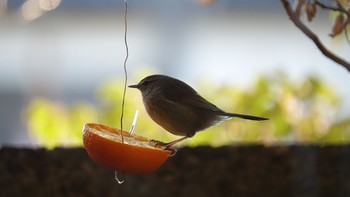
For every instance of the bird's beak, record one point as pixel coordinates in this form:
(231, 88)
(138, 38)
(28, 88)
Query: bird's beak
(134, 86)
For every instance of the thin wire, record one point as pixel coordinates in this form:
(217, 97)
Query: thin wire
(134, 122)
(125, 61)
(118, 178)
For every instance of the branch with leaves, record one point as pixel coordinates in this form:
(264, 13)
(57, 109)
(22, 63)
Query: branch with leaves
(310, 8)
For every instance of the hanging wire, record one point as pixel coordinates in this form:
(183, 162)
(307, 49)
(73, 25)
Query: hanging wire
(125, 63)
(119, 177)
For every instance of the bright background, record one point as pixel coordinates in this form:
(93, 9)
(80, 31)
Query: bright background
(65, 54)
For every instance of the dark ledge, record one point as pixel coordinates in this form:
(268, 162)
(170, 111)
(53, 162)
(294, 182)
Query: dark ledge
(203, 171)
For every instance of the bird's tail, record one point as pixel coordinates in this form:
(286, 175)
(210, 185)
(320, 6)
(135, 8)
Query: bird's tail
(249, 117)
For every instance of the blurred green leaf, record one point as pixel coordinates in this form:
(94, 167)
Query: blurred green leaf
(304, 111)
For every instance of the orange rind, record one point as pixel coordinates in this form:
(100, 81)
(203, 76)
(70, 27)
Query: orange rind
(122, 151)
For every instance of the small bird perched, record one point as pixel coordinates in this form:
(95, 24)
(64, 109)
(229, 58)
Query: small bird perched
(179, 109)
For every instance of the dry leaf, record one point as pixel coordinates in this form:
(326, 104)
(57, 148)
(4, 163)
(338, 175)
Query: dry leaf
(338, 26)
(311, 10)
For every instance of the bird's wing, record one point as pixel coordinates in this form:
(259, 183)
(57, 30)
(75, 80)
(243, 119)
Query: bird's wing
(201, 103)
(184, 94)
(192, 101)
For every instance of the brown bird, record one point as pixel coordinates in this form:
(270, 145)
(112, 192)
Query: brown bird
(179, 109)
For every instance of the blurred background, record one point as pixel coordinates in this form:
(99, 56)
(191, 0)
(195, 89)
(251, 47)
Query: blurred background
(61, 66)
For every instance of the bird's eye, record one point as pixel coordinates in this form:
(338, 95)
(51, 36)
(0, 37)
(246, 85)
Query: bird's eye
(145, 83)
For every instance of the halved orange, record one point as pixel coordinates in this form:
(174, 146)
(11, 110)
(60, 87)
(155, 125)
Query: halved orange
(134, 154)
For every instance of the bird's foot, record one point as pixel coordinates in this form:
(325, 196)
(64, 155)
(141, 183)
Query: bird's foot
(165, 146)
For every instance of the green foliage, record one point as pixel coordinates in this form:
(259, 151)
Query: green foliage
(300, 112)
(54, 124)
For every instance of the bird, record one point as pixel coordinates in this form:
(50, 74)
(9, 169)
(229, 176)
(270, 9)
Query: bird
(179, 109)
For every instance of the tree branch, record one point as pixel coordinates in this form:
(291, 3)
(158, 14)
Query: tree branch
(337, 9)
(295, 19)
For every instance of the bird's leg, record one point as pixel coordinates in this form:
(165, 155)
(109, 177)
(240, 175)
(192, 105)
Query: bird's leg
(172, 143)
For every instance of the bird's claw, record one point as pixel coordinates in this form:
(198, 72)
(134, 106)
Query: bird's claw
(171, 149)
(158, 144)
(164, 146)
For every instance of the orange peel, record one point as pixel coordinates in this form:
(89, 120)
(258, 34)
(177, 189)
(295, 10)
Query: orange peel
(133, 154)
